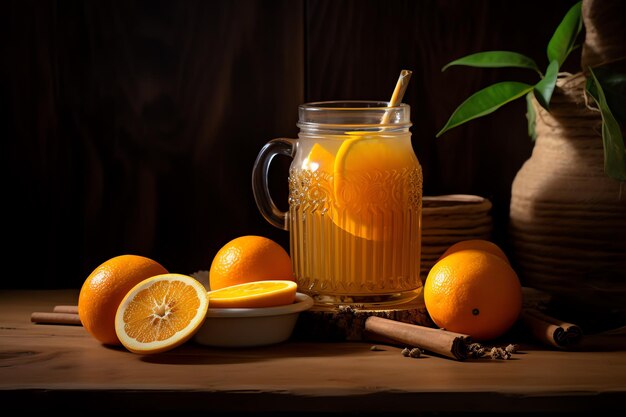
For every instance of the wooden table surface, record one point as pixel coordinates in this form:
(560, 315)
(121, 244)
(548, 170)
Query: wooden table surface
(47, 367)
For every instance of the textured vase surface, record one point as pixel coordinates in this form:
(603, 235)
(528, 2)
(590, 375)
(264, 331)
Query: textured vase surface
(568, 218)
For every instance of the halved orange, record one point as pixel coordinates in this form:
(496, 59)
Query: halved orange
(161, 313)
(254, 294)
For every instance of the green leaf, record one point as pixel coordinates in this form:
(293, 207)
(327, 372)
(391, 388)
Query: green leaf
(486, 101)
(562, 41)
(495, 59)
(613, 81)
(531, 116)
(614, 152)
(544, 88)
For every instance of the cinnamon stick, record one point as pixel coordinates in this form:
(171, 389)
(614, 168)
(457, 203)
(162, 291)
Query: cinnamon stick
(549, 330)
(55, 318)
(442, 342)
(65, 309)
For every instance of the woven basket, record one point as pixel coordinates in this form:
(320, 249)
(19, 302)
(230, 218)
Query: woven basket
(448, 219)
(567, 217)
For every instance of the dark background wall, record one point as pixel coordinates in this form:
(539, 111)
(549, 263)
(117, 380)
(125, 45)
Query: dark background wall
(132, 126)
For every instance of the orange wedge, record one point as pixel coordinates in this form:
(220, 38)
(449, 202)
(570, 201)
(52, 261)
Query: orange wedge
(319, 159)
(161, 313)
(254, 294)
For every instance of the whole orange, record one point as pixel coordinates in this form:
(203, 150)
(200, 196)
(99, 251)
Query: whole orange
(247, 259)
(105, 288)
(476, 244)
(473, 292)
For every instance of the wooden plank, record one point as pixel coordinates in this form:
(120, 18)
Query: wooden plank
(134, 127)
(356, 49)
(60, 367)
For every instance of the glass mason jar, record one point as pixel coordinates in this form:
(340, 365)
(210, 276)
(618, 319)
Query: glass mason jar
(355, 203)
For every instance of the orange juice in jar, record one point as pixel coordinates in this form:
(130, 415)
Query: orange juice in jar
(355, 199)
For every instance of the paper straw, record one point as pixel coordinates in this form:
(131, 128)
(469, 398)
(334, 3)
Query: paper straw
(398, 93)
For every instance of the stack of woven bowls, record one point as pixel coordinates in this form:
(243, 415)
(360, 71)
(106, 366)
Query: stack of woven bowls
(448, 219)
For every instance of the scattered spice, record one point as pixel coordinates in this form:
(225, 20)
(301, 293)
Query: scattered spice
(475, 350)
(415, 353)
(376, 349)
(512, 348)
(412, 352)
(499, 353)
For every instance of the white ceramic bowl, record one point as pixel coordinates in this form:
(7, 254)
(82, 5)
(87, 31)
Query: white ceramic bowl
(243, 327)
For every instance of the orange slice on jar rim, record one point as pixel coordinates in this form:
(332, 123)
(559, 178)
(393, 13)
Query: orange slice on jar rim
(161, 313)
(256, 294)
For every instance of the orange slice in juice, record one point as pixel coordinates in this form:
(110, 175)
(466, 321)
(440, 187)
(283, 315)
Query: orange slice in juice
(319, 158)
(366, 156)
(254, 294)
(161, 313)
(364, 175)
(365, 179)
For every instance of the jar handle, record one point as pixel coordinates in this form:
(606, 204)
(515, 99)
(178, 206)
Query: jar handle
(260, 189)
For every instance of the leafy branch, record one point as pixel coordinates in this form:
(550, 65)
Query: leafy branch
(562, 43)
(614, 152)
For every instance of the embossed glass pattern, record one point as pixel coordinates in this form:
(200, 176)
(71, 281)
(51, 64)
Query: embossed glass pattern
(355, 201)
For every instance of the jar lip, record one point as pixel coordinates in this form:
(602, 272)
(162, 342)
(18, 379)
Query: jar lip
(350, 105)
(353, 115)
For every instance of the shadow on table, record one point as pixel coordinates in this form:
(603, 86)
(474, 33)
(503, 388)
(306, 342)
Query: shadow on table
(606, 341)
(194, 354)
